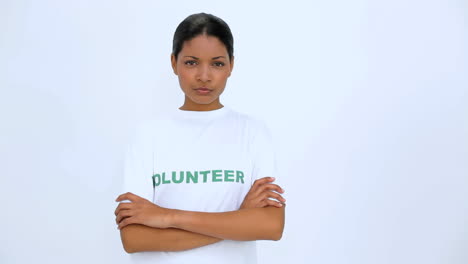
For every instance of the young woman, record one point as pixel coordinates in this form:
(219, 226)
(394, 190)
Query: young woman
(199, 179)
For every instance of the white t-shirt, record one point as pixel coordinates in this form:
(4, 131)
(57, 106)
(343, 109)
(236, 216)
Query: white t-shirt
(199, 161)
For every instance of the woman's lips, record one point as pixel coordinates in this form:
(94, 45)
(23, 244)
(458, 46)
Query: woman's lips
(203, 91)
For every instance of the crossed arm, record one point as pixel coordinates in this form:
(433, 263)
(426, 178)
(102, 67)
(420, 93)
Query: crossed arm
(138, 238)
(174, 230)
(196, 229)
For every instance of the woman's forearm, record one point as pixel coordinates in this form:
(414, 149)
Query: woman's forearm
(265, 223)
(139, 238)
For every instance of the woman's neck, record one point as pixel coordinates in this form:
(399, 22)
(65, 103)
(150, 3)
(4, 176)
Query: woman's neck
(192, 106)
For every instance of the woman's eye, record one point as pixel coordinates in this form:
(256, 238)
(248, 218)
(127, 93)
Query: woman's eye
(219, 64)
(190, 62)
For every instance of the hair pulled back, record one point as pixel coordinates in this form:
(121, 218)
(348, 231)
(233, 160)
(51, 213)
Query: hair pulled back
(200, 24)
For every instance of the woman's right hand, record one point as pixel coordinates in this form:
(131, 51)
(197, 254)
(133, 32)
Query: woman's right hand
(260, 192)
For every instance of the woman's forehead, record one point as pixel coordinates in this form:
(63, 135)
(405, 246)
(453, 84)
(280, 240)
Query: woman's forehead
(204, 47)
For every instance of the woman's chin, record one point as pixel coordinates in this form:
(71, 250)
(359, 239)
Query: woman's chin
(203, 100)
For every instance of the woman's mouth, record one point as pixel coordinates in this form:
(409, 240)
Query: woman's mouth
(203, 91)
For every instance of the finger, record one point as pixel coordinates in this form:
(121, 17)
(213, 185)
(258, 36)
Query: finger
(273, 203)
(268, 202)
(128, 196)
(261, 181)
(123, 214)
(123, 206)
(126, 221)
(262, 204)
(266, 187)
(274, 195)
(270, 187)
(117, 221)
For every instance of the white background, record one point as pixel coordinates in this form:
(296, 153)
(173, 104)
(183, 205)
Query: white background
(366, 100)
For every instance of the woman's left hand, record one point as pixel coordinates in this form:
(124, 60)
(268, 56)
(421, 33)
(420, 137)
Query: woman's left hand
(141, 211)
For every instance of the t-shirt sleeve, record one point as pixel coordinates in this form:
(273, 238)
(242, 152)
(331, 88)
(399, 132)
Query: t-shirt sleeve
(137, 165)
(265, 162)
(264, 156)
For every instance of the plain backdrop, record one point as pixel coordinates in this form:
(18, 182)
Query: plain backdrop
(366, 100)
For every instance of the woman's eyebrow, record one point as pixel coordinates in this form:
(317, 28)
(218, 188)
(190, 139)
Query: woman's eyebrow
(214, 58)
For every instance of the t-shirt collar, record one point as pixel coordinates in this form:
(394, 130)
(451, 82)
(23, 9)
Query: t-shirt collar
(201, 114)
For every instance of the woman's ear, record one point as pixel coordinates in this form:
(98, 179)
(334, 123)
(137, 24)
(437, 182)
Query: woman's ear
(174, 63)
(231, 62)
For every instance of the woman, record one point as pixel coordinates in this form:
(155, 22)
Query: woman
(199, 179)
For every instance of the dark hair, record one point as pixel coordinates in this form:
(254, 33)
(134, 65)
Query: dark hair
(199, 24)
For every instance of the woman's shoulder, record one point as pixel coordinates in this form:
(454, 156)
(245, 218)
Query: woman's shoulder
(253, 121)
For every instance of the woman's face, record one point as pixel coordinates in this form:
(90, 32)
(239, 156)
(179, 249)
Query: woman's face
(203, 67)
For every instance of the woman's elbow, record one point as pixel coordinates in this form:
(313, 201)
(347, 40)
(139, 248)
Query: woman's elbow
(277, 232)
(275, 229)
(278, 236)
(127, 243)
(128, 249)
(272, 223)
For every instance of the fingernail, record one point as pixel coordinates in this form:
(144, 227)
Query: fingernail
(272, 178)
(281, 204)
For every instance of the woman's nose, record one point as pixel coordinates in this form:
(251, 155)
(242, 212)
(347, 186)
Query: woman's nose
(204, 73)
